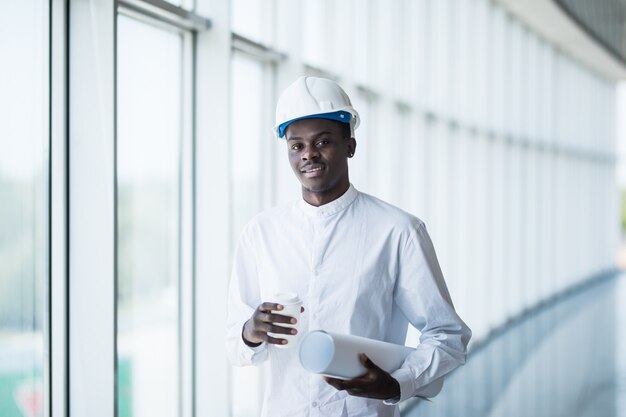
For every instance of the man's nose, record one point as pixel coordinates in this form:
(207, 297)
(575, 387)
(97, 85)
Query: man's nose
(310, 153)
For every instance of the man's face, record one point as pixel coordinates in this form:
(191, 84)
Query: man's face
(318, 154)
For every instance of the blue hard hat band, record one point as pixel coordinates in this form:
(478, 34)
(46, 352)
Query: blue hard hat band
(339, 116)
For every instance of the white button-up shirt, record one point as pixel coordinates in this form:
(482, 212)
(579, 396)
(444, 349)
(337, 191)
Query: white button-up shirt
(362, 267)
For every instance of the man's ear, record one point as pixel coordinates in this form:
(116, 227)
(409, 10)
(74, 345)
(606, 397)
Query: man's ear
(351, 147)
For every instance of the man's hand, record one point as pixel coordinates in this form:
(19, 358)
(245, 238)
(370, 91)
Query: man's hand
(376, 383)
(262, 321)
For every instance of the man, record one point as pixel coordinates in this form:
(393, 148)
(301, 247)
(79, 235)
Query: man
(360, 265)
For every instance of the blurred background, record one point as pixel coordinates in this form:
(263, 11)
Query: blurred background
(136, 142)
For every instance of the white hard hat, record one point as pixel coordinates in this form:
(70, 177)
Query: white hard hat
(312, 97)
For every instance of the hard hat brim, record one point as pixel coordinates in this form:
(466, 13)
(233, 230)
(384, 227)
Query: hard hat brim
(339, 116)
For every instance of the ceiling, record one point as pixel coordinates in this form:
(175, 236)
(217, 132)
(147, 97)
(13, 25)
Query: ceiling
(591, 31)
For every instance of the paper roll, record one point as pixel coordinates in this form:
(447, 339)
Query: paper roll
(337, 355)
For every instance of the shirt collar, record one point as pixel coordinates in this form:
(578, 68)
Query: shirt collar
(331, 208)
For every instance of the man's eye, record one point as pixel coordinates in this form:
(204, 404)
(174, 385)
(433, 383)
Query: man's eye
(296, 147)
(323, 143)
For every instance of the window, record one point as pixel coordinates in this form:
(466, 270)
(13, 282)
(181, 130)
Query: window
(360, 164)
(248, 168)
(152, 176)
(24, 202)
(315, 15)
(250, 18)
(247, 139)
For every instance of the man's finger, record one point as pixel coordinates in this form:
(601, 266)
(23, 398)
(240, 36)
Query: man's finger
(367, 362)
(277, 318)
(274, 340)
(337, 383)
(357, 383)
(281, 329)
(268, 307)
(355, 391)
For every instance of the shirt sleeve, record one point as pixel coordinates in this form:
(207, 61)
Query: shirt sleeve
(422, 296)
(243, 298)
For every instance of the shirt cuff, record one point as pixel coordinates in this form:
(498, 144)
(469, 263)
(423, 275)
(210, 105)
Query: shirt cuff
(406, 382)
(250, 352)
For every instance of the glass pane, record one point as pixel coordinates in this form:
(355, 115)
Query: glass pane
(148, 190)
(247, 90)
(249, 19)
(23, 206)
(313, 39)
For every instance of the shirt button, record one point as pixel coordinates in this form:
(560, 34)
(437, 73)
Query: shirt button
(314, 404)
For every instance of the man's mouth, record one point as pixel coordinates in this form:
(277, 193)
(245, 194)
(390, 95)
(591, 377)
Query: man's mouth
(312, 171)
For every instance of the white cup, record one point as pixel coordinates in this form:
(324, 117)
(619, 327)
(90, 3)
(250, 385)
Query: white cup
(291, 303)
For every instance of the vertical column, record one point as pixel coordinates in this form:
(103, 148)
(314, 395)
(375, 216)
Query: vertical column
(59, 209)
(212, 208)
(92, 208)
(186, 286)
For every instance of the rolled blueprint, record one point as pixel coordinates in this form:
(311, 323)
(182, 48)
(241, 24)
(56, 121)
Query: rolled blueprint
(337, 355)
